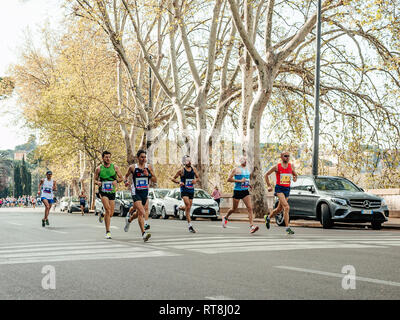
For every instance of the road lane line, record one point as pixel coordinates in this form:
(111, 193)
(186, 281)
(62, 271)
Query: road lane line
(282, 248)
(71, 252)
(14, 223)
(219, 298)
(105, 256)
(43, 249)
(230, 243)
(340, 275)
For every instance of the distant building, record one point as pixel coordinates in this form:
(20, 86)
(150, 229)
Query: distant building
(19, 155)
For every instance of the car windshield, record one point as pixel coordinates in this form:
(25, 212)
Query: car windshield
(337, 184)
(200, 194)
(74, 199)
(127, 195)
(161, 193)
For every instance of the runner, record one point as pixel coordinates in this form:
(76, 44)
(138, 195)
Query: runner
(106, 177)
(241, 177)
(82, 200)
(189, 178)
(284, 172)
(33, 201)
(47, 187)
(141, 174)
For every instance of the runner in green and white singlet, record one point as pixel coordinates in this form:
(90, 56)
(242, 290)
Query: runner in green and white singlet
(106, 177)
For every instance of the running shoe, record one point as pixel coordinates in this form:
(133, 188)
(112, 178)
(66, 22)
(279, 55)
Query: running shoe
(192, 230)
(224, 222)
(253, 229)
(47, 222)
(289, 231)
(267, 221)
(43, 223)
(127, 225)
(101, 218)
(108, 235)
(146, 236)
(146, 226)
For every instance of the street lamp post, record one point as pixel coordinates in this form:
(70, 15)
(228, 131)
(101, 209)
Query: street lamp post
(316, 97)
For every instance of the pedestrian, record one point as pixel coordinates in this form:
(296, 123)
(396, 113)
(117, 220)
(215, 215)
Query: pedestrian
(188, 178)
(216, 195)
(47, 187)
(82, 201)
(284, 172)
(241, 177)
(142, 173)
(107, 176)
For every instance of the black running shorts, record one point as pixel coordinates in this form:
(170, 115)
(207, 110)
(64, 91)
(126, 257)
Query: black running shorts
(109, 195)
(240, 194)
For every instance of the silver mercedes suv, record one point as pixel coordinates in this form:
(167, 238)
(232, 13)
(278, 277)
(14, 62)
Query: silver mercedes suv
(333, 199)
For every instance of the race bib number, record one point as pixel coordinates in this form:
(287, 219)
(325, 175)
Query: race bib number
(189, 183)
(107, 186)
(286, 178)
(142, 183)
(246, 184)
(47, 190)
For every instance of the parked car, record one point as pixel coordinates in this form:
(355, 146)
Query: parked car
(75, 205)
(64, 203)
(98, 206)
(156, 197)
(333, 199)
(123, 201)
(204, 206)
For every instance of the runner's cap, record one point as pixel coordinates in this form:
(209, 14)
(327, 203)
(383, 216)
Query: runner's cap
(49, 172)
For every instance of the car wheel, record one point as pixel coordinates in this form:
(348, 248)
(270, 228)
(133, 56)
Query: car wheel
(326, 219)
(153, 213)
(70, 210)
(124, 211)
(164, 213)
(376, 225)
(182, 215)
(280, 220)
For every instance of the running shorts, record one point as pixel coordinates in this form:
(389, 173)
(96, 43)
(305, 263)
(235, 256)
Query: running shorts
(51, 201)
(190, 195)
(109, 195)
(282, 189)
(240, 194)
(139, 196)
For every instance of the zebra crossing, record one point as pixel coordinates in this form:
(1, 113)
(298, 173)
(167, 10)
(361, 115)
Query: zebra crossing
(56, 251)
(232, 244)
(76, 250)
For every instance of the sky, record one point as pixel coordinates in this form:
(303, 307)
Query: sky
(15, 17)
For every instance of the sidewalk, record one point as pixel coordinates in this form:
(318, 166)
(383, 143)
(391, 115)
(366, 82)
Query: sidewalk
(392, 223)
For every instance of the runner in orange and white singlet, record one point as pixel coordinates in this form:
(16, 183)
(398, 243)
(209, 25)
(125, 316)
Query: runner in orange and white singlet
(284, 172)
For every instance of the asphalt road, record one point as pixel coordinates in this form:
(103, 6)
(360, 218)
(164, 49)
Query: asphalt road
(214, 263)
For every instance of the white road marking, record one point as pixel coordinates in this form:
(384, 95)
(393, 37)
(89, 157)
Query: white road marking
(219, 298)
(14, 223)
(282, 248)
(340, 275)
(60, 249)
(227, 227)
(99, 256)
(56, 231)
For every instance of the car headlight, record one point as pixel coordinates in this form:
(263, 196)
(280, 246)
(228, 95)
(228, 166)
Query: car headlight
(342, 202)
(383, 203)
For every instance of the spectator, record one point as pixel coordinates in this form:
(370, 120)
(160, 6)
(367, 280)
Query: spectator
(216, 195)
